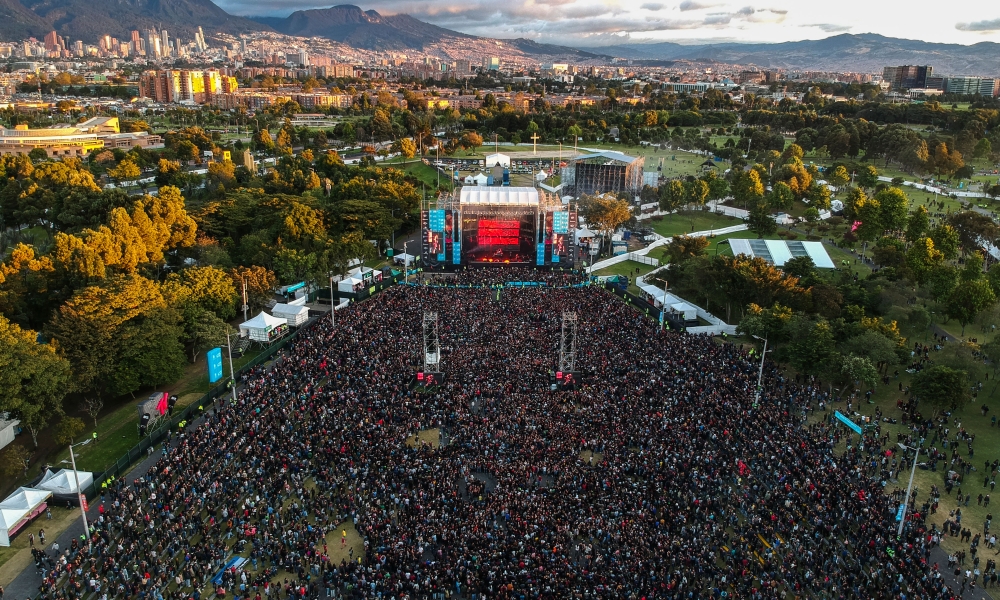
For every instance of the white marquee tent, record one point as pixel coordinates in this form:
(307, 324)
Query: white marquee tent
(258, 329)
(495, 159)
(17, 511)
(294, 315)
(63, 483)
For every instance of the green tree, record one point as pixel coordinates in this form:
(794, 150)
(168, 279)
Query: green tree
(68, 430)
(682, 247)
(760, 220)
(260, 285)
(918, 224)
(946, 240)
(672, 195)
(839, 177)
(605, 212)
(781, 196)
(922, 258)
(748, 189)
(811, 347)
(212, 289)
(867, 177)
(38, 154)
(34, 379)
(859, 369)
(968, 300)
(14, 461)
(941, 387)
(696, 192)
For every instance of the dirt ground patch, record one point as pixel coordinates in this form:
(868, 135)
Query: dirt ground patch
(430, 437)
(17, 557)
(591, 458)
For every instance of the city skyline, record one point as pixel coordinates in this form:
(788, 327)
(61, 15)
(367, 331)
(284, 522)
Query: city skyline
(600, 22)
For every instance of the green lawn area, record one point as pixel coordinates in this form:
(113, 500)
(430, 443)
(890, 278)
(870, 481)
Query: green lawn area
(630, 268)
(686, 221)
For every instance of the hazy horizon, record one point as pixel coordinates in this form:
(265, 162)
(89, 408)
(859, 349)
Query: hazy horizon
(604, 22)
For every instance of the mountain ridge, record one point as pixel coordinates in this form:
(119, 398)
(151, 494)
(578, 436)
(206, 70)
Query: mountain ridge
(867, 52)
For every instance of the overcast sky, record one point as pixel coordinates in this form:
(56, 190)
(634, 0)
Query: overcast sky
(593, 22)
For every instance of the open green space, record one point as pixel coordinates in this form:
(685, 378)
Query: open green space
(687, 221)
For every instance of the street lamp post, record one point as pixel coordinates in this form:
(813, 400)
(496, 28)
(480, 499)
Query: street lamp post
(232, 376)
(760, 373)
(333, 309)
(406, 265)
(909, 488)
(79, 492)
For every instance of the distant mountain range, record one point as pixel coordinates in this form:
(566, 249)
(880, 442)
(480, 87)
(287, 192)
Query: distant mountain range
(846, 52)
(88, 19)
(368, 30)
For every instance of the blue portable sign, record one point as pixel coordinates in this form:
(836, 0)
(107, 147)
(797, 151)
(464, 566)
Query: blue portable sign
(214, 365)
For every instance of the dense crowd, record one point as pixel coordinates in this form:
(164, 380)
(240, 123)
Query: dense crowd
(658, 477)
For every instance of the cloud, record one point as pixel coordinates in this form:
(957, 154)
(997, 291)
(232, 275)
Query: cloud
(651, 6)
(982, 26)
(830, 27)
(696, 5)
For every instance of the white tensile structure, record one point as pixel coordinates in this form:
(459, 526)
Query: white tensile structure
(258, 329)
(778, 252)
(17, 511)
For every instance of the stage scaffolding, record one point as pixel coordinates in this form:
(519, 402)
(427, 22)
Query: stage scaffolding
(432, 343)
(567, 343)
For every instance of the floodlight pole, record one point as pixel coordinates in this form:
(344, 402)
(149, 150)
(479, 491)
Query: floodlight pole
(232, 375)
(760, 373)
(909, 488)
(333, 309)
(663, 305)
(79, 495)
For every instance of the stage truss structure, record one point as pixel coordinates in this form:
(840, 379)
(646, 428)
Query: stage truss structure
(432, 343)
(567, 343)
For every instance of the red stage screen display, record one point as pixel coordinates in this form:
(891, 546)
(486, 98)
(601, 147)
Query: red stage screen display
(499, 233)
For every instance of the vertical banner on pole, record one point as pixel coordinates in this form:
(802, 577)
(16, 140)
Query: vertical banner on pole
(456, 246)
(214, 365)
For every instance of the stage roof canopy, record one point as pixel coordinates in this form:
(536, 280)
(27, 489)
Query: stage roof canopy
(499, 196)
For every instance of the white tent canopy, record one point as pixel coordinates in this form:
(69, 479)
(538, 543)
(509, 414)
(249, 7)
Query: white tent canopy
(294, 315)
(258, 328)
(18, 510)
(63, 482)
(584, 233)
(497, 158)
(404, 259)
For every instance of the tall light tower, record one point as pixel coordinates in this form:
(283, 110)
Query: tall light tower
(567, 343)
(432, 343)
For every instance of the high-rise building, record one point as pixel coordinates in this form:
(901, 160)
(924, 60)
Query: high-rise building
(199, 40)
(491, 63)
(51, 41)
(78, 48)
(164, 43)
(136, 42)
(462, 66)
(907, 76)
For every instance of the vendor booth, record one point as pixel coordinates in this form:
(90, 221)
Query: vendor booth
(18, 510)
(264, 328)
(359, 280)
(294, 315)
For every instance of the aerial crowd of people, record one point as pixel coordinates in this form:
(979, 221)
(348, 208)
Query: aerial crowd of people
(659, 476)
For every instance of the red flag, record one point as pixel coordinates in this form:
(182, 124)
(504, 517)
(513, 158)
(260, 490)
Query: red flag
(161, 406)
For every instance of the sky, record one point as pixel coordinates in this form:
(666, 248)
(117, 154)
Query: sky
(601, 22)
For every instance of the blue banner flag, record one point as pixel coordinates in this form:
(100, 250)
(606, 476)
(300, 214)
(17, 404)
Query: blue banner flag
(214, 365)
(850, 424)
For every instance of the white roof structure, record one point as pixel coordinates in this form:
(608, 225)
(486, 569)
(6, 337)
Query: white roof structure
(18, 509)
(7, 428)
(260, 326)
(778, 252)
(493, 159)
(280, 310)
(64, 482)
(499, 196)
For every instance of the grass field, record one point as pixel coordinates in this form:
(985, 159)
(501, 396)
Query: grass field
(686, 221)
(629, 268)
